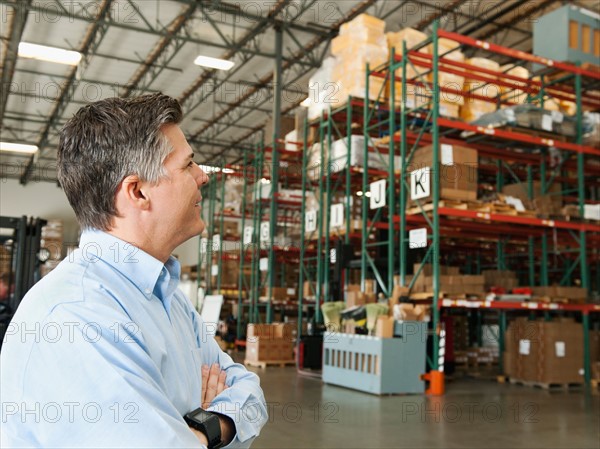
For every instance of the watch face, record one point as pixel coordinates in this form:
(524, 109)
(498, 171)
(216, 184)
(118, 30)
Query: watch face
(202, 416)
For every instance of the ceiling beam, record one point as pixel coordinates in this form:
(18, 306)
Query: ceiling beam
(229, 54)
(166, 47)
(91, 41)
(265, 80)
(16, 27)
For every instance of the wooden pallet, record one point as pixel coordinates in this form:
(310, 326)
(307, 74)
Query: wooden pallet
(423, 296)
(264, 363)
(543, 385)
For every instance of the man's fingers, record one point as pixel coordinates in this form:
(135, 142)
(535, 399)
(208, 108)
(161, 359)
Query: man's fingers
(205, 373)
(221, 384)
(211, 387)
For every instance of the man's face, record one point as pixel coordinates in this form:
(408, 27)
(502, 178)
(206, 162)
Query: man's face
(176, 198)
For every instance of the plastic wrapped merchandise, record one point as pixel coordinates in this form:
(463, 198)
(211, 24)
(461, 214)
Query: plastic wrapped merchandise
(514, 94)
(449, 49)
(363, 30)
(234, 189)
(473, 108)
(349, 73)
(321, 88)
(592, 137)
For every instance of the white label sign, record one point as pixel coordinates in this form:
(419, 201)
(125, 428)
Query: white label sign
(203, 245)
(417, 238)
(310, 221)
(377, 199)
(214, 270)
(559, 346)
(265, 227)
(547, 122)
(337, 216)
(420, 184)
(447, 155)
(332, 255)
(524, 347)
(216, 242)
(263, 264)
(248, 232)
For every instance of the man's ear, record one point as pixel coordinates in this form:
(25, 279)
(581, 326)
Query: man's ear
(133, 192)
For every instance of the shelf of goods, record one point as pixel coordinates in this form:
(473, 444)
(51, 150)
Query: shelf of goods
(456, 176)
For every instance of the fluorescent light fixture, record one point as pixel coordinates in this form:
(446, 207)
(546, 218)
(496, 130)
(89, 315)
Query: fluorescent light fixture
(265, 181)
(18, 147)
(359, 193)
(209, 169)
(227, 170)
(214, 63)
(50, 54)
(306, 103)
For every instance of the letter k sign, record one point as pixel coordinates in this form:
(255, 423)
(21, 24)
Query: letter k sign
(420, 184)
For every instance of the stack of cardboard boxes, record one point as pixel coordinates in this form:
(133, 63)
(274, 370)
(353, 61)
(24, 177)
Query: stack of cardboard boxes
(270, 342)
(549, 203)
(500, 278)
(416, 95)
(557, 293)
(475, 108)
(450, 102)
(547, 352)
(451, 281)
(360, 41)
(458, 173)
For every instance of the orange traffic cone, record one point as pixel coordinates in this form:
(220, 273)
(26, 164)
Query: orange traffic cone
(436, 382)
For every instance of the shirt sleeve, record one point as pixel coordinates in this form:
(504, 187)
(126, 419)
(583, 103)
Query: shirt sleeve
(114, 396)
(243, 401)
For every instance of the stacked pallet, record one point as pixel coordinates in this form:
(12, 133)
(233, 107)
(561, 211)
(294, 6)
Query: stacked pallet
(360, 41)
(544, 353)
(475, 108)
(269, 344)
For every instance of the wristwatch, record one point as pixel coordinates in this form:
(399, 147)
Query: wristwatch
(208, 423)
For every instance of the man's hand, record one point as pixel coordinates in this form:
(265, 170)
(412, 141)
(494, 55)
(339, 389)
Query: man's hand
(213, 383)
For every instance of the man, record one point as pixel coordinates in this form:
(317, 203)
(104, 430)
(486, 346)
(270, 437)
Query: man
(105, 351)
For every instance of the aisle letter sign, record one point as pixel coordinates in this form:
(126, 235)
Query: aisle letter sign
(377, 194)
(337, 216)
(420, 184)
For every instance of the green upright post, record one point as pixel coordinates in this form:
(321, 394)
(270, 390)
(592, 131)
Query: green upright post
(403, 190)
(240, 313)
(323, 213)
(436, 197)
(327, 242)
(302, 230)
(221, 228)
(365, 180)
(391, 180)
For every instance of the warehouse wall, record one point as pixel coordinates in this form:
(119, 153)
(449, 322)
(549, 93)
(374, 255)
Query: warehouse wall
(47, 200)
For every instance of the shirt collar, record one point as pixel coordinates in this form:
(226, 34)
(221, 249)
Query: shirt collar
(149, 274)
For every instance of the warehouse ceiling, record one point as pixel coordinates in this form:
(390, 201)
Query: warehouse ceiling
(132, 47)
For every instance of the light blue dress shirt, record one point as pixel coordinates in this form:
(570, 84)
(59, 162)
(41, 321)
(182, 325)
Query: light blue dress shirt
(105, 351)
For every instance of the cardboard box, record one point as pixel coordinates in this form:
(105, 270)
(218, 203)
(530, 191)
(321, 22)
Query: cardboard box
(546, 352)
(411, 312)
(354, 298)
(384, 327)
(261, 349)
(457, 169)
(548, 204)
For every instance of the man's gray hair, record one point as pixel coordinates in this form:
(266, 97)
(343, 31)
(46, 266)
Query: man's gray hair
(106, 141)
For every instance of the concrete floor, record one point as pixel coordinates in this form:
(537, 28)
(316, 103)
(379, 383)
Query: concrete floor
(304, 413)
